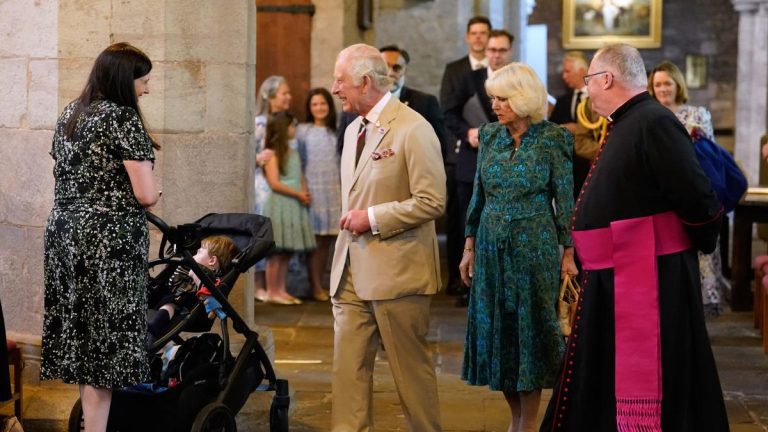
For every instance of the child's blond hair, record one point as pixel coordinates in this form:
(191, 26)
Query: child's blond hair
(221, 247)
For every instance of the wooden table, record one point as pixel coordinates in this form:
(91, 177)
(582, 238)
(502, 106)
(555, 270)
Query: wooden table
(752, 209)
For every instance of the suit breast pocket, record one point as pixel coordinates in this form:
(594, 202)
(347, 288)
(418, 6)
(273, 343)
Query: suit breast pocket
(385, 167)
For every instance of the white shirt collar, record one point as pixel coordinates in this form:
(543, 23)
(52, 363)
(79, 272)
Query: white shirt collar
(375, 112)
(397, 93)
(477, 64)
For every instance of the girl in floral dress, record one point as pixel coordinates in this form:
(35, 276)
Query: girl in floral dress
(317, 145)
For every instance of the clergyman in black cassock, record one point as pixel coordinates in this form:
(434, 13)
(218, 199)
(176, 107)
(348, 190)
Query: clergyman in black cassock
(646, 168)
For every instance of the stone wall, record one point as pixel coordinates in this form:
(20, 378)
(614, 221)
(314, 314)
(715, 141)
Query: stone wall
(334, 27)
(29, 65)
(199, 109)
(431, 31)
(707, 28)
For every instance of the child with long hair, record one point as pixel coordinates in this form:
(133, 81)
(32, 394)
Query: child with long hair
(286, 206)
(316, 141)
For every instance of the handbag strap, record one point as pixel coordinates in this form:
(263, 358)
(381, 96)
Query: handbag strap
(569, 288)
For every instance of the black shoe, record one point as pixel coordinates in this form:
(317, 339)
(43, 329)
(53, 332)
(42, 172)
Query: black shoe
(456, 288)
(463, 300)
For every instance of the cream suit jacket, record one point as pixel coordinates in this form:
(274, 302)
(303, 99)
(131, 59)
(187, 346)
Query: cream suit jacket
(406, 188)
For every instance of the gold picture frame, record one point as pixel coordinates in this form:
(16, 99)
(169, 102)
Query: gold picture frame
(591, 24)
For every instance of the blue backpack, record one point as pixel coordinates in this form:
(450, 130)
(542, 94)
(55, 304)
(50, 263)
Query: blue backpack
(724, 174)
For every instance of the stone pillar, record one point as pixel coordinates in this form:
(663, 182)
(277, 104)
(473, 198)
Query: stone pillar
(28, 109)
(513, 17)
(199, 109)
(334, 27)
(751, 83)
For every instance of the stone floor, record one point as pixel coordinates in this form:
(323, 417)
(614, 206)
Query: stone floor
(303, 337)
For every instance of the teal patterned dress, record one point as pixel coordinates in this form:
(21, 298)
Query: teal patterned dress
(513, 340)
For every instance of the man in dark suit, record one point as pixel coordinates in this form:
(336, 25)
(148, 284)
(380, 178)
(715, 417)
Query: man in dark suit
(397, 60)
(574, 68)
(466, 108)
(454, 77)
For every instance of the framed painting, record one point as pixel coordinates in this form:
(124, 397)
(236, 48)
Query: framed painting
(590, 24)
(695, 71)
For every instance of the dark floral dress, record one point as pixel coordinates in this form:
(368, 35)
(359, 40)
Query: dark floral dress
(513, 339)
(96, 245)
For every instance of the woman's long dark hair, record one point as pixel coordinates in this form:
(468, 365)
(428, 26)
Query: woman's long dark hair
(277, 137)
(330, 119)
(112, 78)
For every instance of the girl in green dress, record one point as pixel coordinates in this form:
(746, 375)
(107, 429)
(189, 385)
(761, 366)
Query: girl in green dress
(286, 206)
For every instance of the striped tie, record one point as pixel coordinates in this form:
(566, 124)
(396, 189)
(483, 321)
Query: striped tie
(360, 140)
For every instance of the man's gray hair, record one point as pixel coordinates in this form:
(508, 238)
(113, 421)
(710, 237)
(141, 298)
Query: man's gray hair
(626, 62)
(364, 60)
(578, 58)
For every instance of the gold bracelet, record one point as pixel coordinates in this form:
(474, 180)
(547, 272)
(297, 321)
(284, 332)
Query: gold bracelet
(469, 249)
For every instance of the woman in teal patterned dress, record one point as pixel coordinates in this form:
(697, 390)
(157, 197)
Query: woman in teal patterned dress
(511, 254)
(96, 241)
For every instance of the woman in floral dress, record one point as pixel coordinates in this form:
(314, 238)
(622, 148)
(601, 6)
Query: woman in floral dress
(96, 241)
(511, 255)
(667, 85)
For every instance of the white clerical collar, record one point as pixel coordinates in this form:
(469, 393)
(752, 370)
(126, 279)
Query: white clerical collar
(375, 112)
(478, 64)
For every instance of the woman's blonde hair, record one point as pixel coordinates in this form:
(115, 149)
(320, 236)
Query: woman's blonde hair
(524, 91)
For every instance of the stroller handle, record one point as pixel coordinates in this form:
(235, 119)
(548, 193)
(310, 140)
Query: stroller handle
(159, 223)
(185, 236)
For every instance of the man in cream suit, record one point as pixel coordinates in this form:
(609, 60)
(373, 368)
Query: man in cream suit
(386, 264)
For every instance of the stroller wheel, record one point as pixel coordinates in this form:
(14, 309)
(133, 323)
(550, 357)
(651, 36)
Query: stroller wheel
(76, 423)
(278, 412)
(214, 417)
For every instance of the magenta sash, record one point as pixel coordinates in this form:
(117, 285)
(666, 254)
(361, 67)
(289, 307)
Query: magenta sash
(630, 247)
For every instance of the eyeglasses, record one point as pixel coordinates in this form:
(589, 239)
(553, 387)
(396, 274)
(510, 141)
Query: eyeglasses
(497, 50)
(397, 68)
(586, 78)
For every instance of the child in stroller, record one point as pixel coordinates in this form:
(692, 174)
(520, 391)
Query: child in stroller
(211, 385)
(215, 257)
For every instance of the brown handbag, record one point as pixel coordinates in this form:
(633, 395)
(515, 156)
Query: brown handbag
(567, 304)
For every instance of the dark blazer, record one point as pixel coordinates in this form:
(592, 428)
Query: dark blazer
(473, 83)
(453, 76)
(561, 113)
(423, 103)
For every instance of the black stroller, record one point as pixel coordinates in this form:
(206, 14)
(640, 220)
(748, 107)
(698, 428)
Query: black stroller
(209, 386)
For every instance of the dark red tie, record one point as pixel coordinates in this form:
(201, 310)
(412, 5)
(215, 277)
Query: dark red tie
(360, 140)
